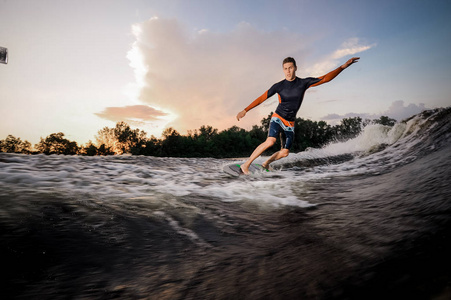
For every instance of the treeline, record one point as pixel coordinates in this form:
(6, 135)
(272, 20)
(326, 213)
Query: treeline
(203, 142)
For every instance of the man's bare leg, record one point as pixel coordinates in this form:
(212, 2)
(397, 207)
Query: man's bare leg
(257, 152)
(276, 156)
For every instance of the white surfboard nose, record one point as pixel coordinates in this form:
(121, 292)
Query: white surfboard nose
(235, 170)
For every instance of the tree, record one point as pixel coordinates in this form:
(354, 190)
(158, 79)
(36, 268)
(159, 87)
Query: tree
(57, 144)
(121, 139)
(203, 142)
(106, 141)
(14, 145)
(129, 140)
(349, 128)
(152, 147)
(208, 132)
(310, 133)
(385, 120)
(105, 150)
(171, 143)
(265, 122)
(235, 142)
(90, 149)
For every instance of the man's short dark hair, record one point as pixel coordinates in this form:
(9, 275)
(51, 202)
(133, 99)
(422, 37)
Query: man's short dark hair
(289, 60)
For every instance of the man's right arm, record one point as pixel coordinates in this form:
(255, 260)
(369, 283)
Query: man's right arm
(268, 94)
(255, 103)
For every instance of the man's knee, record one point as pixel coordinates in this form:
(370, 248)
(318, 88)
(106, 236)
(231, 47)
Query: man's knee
(284, 152)
(270, 141)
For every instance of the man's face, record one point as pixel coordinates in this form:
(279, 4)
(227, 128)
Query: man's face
(290, 71)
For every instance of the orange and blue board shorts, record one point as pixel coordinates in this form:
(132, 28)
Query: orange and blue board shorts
(285, 129)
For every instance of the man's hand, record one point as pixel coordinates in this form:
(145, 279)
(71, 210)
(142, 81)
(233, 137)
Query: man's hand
(350, 62)
(240, 115)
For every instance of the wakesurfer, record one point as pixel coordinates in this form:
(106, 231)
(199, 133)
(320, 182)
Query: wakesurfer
(291, 92)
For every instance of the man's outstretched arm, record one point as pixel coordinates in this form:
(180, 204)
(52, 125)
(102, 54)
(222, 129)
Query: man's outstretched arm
(255, 103)
(269, 93)
(331, 75)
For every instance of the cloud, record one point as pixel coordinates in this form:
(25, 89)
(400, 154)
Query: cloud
(133, 115)
(205, 78)
(351, 46)
(397, 111)
(332, 117)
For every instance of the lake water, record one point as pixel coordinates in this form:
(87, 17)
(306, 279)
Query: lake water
(368, 218)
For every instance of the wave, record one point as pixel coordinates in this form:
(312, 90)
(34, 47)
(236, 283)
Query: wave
(167, 181)
(405, 141)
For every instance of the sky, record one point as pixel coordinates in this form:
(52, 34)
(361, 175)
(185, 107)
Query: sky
(79, 66)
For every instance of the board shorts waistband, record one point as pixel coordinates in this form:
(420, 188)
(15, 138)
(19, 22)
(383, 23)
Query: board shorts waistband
(286, 125)
(284, 122)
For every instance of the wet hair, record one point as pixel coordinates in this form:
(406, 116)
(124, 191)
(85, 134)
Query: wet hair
(289, 60)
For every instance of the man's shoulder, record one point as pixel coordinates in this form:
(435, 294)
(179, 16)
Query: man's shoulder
(308, 78)
(278, 85)
(299, 80)
(280, 82)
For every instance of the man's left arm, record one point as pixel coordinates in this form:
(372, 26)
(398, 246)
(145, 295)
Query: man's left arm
(331, 75)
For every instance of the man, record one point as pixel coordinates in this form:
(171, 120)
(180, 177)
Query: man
(291, 92)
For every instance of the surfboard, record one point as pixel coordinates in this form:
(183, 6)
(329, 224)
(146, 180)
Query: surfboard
(234, 169)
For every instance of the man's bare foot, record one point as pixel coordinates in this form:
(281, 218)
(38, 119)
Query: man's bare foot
(265, 166)
(245, 169)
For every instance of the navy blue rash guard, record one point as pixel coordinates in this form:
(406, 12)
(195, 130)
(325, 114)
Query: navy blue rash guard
(291, 95)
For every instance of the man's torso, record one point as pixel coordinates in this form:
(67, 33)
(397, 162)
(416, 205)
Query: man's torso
(291, 94)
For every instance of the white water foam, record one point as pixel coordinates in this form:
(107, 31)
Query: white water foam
(396, 143)
(262, 190)
(138, 177)
(160, 179)
(370, 137)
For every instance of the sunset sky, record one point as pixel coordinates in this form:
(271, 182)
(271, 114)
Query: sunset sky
(78, 66)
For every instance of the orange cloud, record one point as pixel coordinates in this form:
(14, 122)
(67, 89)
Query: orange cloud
(206, 78)
(133, 114)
